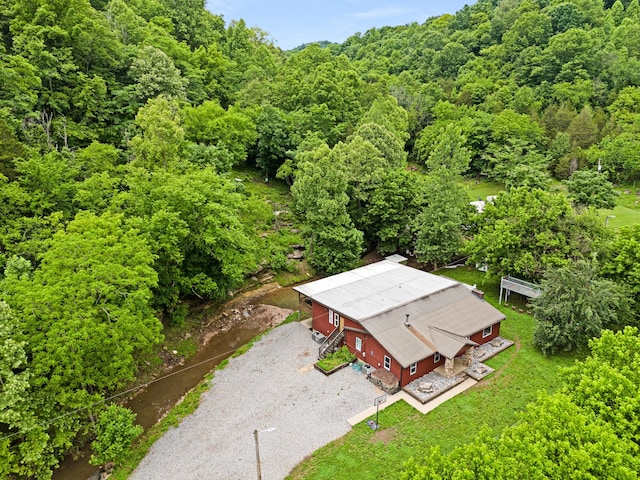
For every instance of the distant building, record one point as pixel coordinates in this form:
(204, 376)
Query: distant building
(481, 204)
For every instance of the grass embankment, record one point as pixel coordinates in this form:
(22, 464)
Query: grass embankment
(178, 412)
(142, 445)
(521, 372)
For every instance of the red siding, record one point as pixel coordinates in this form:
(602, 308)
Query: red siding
(321, 319)
(495, 331)
(422, 368)
(351, 323)
(373, 353)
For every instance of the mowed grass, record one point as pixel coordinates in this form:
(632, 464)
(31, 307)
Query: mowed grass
(626, 211)
(480, 189)
(521, 372)
(620, 216)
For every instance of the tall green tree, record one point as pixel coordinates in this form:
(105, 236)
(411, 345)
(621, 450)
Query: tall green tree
(84, 316)
(590, 188)
(439, 225)
(155, 74)
(193, 224)
(319, 192)
(161, 137)
(517, 163)
(231, 129)
(449, 157)
(575, 306)
(273, 140)
(392, 206)
(525, 232)
(620, 260)
(607, 382)
(87, 309)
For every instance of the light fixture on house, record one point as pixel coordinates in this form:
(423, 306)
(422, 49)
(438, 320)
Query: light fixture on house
(406, 321)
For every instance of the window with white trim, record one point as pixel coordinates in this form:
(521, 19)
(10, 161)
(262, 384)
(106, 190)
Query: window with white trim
(336, 319)
(487, 331)
(330, 317)
(387, 363)
(436, 357)
(413, 369)
(358, 344)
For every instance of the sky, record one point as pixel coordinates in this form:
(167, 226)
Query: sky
(292, 23)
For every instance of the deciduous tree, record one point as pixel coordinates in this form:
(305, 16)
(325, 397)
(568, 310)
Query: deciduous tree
(620, 260)
(607, 382)
(575, 305)
(320, 196)
(115, 432)
(590, 188)
(525, 232)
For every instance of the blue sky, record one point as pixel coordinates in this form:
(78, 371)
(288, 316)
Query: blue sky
(292, 23)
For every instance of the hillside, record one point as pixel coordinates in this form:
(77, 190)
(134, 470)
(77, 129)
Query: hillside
(127, 128)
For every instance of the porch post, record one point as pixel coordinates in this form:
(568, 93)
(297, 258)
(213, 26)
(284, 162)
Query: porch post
(448, 367)
(468, 356)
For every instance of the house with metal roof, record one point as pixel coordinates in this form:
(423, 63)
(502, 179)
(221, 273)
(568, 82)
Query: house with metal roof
(398, 318)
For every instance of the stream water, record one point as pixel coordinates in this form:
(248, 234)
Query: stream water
(158, 397)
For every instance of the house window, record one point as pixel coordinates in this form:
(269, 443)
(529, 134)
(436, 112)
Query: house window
(358, 344)
(336, 319)
(387, 363)
(413, 369)
(487, 331)
(330, 317)
(436, 357)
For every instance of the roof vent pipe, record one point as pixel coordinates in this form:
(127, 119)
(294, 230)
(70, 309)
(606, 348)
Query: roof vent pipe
(406, 322)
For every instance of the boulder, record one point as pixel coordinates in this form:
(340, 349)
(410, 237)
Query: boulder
(425, 387)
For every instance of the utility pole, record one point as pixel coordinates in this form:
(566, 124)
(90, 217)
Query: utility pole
(255, 435)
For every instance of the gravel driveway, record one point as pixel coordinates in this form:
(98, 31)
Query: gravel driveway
(273, 385)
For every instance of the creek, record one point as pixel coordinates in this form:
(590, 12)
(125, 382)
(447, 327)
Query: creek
(158, 397)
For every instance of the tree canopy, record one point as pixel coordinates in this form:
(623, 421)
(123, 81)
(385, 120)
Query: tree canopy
(524, 232)
(127, 128)
(575, 306)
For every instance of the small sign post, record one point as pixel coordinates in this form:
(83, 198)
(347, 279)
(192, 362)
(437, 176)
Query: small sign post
(377, 401)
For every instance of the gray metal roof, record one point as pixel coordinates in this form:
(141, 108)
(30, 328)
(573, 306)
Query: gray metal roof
(442, 312)
(443, 319)
(373, 289)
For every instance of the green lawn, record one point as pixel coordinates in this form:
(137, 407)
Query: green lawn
(521, 371)
(620, 216)
(626, 211)
(482, 188)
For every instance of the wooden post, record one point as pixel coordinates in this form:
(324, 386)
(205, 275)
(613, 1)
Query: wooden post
(255, 434)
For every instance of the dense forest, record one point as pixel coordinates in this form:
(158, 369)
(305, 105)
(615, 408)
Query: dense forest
(123, 122)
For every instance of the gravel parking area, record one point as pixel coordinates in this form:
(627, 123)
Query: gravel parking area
(273, 385)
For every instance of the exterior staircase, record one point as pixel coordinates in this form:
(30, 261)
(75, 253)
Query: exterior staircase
(330, 345)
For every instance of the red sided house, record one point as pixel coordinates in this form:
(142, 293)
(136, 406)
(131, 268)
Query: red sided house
(396, 317)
